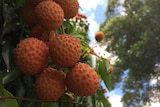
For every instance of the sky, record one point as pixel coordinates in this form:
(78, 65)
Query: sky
(95, 12)
(94, 9)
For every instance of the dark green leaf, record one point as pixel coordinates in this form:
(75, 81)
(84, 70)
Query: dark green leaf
(8, 102)
(49, 104)
(1, 85)
(19, 3)
(10, 76)
(103, 67)
(103, 99)
(5, 54)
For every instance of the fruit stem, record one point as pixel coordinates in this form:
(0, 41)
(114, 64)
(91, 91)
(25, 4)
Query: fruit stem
(62, 29)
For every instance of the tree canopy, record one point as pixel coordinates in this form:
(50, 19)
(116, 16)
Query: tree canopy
(17, 89)
(135, 39)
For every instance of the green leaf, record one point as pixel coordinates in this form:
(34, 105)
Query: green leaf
(19, 3)
(1, 85)
(49, 104)
(7, 102)
(103, 69)
(103, 99)
(5, 54)
(10, 76)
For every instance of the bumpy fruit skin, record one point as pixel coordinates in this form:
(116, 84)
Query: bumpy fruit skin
(82, 80)
(49, 15)
(70, 7)
(65, 50)
(99, 36)
(31, 56)
(50, 84)
(35, 2)
(47, 37)
(28, 14)
(36, 31)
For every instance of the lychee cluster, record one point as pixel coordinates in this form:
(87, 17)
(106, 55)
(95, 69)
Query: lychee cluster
(42, 46)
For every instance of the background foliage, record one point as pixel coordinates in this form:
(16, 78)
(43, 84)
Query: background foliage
(134, 27)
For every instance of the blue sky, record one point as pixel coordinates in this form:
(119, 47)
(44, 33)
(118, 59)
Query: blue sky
(94, 9)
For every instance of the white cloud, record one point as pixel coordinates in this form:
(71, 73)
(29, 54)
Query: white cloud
(155, 104)
(87, 5)
(115, 100)
(93, 26)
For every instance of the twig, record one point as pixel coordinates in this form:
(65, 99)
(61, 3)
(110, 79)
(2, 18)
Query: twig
(62, 27)
(40, 101)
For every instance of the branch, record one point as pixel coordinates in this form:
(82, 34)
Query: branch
(39, 101)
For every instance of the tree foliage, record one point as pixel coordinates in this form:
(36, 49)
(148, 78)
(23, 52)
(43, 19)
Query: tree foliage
(135, 39)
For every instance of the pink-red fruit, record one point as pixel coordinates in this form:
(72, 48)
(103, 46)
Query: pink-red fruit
(70, 7)
(35, 2)
(28, 14)
(99, 36)
(82, 80)
(65, 50)
(50, 84)
(49, 15)
(31, 56)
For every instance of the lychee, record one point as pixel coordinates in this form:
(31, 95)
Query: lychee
(47, 37)
(50, 84)
(36, 31)
(99, 36)
(82, 80)
(65, 50)
(28, 14)
(49, 15)
(31, 55)
(70, 7)
(35, 2)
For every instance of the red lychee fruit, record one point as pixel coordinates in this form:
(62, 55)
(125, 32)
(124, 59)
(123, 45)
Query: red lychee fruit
(47, 37)
(82, 80)
(28, 14)
(65, 50)
(36, 31)
(31, 55)
(49, 15)
(70, 7)
(35, 2)
(50, 84)
(99, 36)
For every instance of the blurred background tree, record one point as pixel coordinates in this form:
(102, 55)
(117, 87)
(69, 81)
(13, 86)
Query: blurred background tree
(134, 28)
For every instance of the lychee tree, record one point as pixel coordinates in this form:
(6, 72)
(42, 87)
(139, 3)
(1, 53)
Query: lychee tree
(23, 49)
